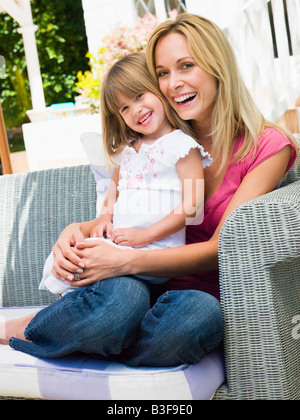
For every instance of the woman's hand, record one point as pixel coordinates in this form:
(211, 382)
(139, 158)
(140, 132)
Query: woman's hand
(101, 261)
(66, 261)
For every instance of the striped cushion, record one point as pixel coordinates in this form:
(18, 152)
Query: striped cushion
(80, 377)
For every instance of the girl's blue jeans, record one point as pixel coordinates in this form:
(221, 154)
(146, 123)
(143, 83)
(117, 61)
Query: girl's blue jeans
(115, 319)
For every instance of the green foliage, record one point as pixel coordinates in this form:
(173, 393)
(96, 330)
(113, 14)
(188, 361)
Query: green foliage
(62, 48)
(14, 87)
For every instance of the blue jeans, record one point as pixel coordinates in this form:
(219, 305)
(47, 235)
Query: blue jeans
(114, 318)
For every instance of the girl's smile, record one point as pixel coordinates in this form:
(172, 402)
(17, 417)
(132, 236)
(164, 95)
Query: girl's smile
(146, 119)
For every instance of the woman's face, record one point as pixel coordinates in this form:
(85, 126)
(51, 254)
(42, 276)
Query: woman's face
(188, 89)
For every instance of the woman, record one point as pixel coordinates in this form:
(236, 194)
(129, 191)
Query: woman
(197, 73)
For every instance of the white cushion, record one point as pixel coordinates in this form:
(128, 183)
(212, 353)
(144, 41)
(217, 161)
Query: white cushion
(81, 377)
(102, 171)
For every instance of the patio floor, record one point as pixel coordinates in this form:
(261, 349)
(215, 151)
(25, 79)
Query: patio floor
(19, 162)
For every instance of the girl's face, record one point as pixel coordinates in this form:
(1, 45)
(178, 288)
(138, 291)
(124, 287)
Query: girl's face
(144, 114)
(188, 89)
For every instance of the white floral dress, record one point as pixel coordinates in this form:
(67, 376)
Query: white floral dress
(149, 189)
(149, 186)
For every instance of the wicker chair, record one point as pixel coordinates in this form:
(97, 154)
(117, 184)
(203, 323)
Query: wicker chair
(259, 255)
(259, 264)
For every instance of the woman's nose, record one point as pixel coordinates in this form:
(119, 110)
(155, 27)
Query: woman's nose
(174, 82)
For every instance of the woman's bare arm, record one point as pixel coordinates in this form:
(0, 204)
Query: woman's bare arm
(198, 257)
(104, 261)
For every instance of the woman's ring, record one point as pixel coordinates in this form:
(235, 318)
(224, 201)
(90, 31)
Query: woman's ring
(77, 276)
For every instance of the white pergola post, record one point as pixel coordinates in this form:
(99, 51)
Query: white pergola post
(33, 67)
(28, 30)
(160, 10)
(20, 10)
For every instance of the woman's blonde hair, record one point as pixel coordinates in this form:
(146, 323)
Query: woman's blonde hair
(234, 112)
(129, 76)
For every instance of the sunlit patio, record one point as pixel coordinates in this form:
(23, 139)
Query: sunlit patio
(56, 185)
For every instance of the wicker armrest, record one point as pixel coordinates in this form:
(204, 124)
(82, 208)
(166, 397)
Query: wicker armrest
(259, 256)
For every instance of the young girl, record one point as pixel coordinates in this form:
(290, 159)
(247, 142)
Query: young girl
(157, 186)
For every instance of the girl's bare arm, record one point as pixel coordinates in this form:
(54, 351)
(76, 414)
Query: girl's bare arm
(105, 225)
(190, 172)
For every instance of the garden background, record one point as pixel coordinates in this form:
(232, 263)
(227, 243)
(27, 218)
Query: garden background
(62, 45)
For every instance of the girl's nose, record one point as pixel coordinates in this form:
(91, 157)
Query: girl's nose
(137, 110)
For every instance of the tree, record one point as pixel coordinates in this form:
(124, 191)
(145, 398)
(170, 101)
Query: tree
(62, 48)
(14, 92)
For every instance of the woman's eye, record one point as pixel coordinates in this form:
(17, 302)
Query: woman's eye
(187, 65)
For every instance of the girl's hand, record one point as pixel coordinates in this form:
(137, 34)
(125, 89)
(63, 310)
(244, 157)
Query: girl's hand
(65, 260)
(136, 238)
(103, 227)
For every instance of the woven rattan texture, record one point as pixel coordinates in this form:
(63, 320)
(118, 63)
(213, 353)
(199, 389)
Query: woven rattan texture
(34, 208)
(259, 255)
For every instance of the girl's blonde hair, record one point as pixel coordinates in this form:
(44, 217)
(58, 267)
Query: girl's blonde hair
(234, 112)
(130, 76)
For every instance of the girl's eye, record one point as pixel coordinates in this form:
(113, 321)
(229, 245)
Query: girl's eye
(124, 109)
(139, 96)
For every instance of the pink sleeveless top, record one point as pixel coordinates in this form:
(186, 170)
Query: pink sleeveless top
(271, 142)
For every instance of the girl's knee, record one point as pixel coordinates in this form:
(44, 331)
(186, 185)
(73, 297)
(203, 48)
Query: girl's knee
(115, 310)
(124, 297)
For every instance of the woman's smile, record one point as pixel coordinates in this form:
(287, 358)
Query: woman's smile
(184, 100)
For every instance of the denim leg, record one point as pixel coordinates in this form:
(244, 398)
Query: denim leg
(102, 319)
(181, 328)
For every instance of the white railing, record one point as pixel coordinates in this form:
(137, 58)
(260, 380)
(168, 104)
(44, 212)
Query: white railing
(274, 82)
(265, 35)
(269, 60)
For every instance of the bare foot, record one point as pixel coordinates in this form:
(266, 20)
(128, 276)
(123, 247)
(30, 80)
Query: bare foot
(3, 339)
(14, 328)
